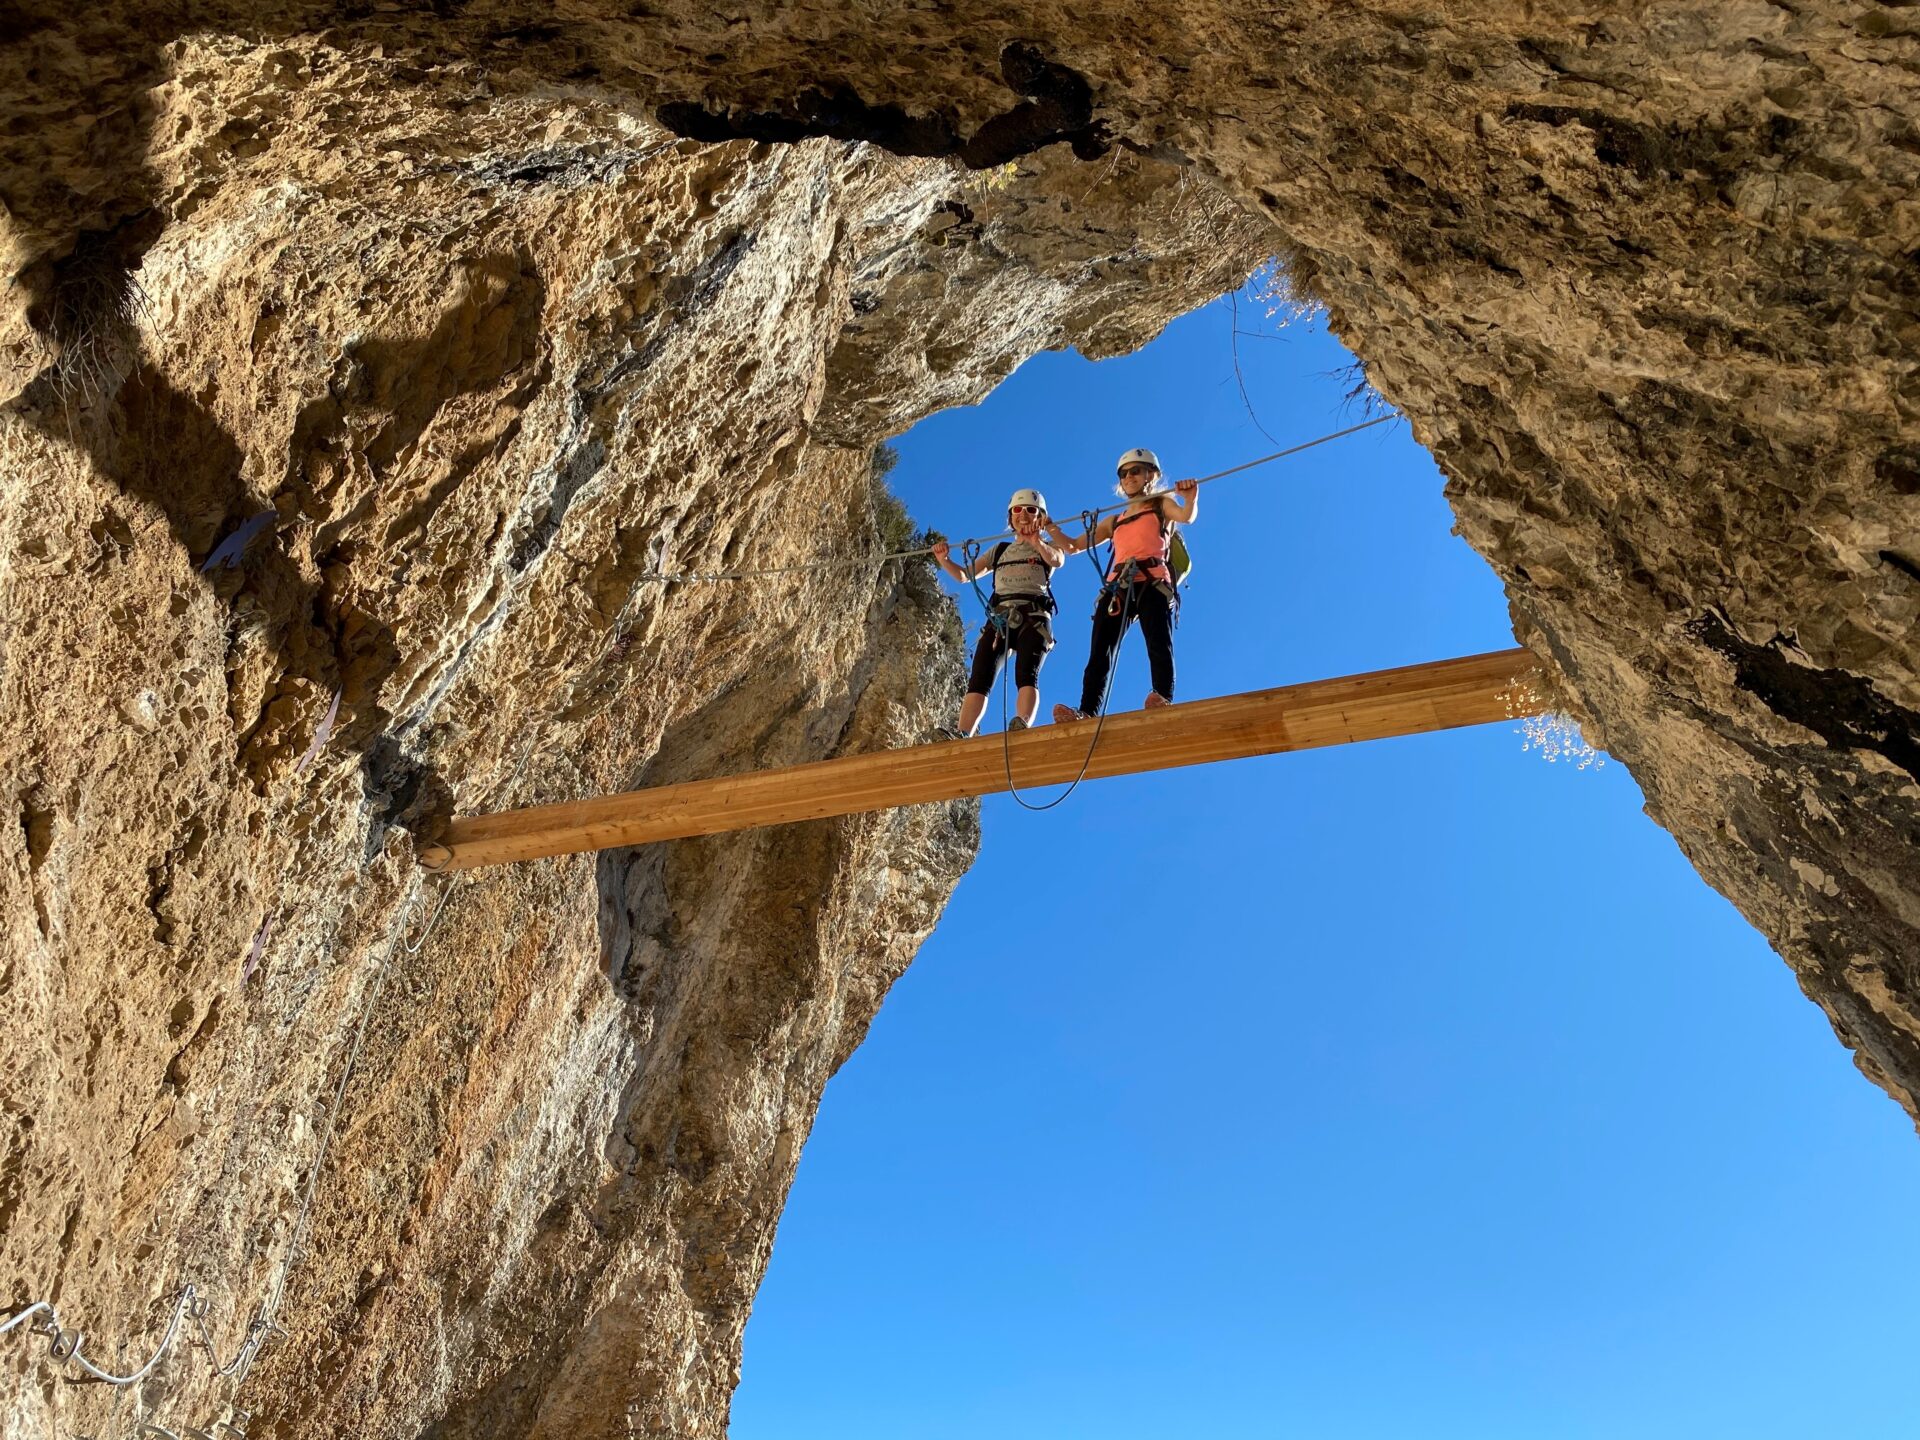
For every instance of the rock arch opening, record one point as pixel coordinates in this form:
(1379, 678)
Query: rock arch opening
(1643, 289)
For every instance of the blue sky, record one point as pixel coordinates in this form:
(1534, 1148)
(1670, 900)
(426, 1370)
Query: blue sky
(1440, 1097)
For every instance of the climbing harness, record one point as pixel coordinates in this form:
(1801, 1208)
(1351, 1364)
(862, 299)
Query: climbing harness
(1008, 612)
(1129, 570)
(1040, 599)
(876, 559)
(1135, 573)
(1088, 519)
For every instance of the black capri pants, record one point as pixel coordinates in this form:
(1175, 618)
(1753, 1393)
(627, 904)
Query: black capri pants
(1147, 603)
(1030, 633)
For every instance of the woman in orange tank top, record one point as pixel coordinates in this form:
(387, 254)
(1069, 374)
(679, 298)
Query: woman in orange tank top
(1138, 583)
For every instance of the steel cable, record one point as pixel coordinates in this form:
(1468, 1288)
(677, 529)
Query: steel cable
(854, 562)
(66, 1347)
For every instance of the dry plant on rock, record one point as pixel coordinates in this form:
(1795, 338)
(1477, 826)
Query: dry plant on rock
(90, 315)
(1284, 286)
(1546, 727)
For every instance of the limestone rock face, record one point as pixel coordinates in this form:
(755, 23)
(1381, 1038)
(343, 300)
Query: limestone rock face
(334, 514)
(493, 311)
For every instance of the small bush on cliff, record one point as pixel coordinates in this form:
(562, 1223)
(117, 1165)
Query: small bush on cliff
(1359, 390)
(1550, 732)
(89, 313)
(993, 179)
(896, 527)
(898, 532)
(1285, 286)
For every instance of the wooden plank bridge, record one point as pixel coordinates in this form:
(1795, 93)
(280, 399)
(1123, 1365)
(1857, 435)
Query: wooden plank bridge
(1441, 695)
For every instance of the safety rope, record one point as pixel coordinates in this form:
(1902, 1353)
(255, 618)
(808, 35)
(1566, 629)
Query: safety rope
(65, 1346)
(1089, 519)
(970, 550)
(1093, 743)
(876, 559)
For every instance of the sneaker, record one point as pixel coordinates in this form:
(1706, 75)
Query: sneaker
(1016, 723)
(947, 732)
(1155, 700)
(1066, 715)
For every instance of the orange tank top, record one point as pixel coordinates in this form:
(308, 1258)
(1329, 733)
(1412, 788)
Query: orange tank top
(1134, 541)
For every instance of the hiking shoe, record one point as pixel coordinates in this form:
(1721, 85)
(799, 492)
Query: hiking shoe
(1155, 700)
(947, 732)
(1066, 715)
(1016, 723)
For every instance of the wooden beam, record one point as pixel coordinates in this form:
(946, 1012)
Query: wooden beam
(1441, 695)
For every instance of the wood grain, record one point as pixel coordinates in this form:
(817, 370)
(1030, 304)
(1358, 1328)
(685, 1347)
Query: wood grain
(1441, 695)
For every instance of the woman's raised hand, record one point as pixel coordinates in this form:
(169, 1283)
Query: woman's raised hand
(1188, 488)
(941, 550)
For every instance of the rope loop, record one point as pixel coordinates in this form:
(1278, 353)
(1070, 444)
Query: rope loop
(971, 550)
(1089, 522)
(1099, 722)
(66, 1347)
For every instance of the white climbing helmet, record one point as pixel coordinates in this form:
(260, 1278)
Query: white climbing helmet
(1138, 457)
(1028, 497)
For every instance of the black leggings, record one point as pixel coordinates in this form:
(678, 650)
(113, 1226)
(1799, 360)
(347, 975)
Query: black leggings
(1148, 604)
(1031, 641)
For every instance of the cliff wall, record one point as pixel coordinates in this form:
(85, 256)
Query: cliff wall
(494, 310)
(484, 359)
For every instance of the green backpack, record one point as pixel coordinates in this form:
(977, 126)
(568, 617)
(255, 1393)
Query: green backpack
(1179, 558)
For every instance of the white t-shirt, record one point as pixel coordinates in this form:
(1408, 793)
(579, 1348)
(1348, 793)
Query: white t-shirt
(1021, 570)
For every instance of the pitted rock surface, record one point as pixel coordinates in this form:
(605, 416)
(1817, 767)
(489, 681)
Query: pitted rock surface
(482, 363)
(494, 309)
